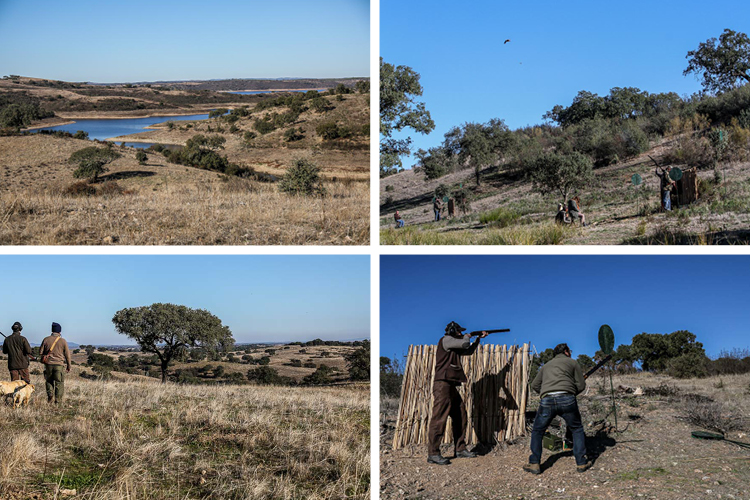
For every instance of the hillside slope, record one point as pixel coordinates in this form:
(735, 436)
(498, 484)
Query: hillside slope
(617, 212)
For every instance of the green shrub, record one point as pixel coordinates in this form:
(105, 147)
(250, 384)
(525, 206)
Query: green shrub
(691, 365)
(141, 156)
(294, 134)
(302, 178)
(80, 134)
(501, 216)
(91, 161)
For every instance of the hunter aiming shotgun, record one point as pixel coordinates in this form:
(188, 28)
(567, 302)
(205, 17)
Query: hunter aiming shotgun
(598, 365)
(479, 332)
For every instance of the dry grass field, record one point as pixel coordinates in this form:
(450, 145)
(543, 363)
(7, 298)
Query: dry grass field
(162, 203)
(139, 439)
(651, 455)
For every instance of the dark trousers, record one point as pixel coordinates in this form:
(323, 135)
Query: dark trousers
(447, 403)
(20, 375)
(566, 406)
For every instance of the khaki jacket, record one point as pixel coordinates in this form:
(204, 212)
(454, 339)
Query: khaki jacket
(60, 355)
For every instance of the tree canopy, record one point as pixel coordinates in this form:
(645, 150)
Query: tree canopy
(399, 85)
(167, 330)
(562, 174)
(723, 63)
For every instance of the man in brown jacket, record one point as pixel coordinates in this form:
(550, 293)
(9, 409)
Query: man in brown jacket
(18, 350)
(54, 353)
(449, 375)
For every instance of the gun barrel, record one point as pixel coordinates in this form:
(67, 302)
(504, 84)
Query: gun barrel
(598, 365)
(478, 332)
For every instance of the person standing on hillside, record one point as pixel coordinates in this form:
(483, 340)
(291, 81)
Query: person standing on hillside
(437, 206)
(18, 350)
(54, 353)
(559, 381)
(665, 185)
(449, 375)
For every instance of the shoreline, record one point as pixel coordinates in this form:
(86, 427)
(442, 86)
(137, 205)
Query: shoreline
(69, 120)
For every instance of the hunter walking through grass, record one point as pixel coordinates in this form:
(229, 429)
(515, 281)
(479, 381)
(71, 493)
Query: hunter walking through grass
(54, 353)
(18, 350)
(449, 375)
(558, 382)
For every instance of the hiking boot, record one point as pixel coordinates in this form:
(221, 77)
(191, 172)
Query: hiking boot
(533, 468)
(466, 454)
(437, 459)
(584, 467)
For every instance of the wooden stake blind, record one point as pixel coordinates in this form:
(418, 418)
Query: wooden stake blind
(495, 395)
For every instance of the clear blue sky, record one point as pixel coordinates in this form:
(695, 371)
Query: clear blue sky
(261, 298)
(556, 50)
(148, 40)
(548, 299)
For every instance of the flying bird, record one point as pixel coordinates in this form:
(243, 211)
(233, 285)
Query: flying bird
(506, 41)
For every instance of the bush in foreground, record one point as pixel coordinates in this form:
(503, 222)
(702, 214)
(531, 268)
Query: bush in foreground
(302, 178)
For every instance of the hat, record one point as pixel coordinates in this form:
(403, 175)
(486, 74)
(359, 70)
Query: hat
(56, 328)
(454, 327)
(16, 327)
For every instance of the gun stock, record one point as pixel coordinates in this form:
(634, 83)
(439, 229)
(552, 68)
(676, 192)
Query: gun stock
(479, 332)
(598, 365)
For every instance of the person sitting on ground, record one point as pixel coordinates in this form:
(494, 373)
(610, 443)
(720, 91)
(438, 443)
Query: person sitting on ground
(399, 220)
(18, 350)
(665, 185)
(558, 382)
(574, 209)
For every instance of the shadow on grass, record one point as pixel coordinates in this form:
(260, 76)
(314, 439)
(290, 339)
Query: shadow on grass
(118, 176)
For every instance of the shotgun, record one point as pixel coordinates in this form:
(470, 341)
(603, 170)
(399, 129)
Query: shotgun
(479, 332)
(598, 365)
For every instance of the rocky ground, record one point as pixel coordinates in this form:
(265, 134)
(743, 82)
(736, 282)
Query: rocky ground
(651, 455)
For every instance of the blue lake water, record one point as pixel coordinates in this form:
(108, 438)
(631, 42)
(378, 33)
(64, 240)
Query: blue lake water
(106, 128)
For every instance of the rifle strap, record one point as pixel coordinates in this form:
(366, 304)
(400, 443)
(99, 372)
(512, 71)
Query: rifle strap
(53, 346)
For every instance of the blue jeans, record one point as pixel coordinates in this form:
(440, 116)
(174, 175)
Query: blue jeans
(667, 200)
(437, 215)
(566, 406)
(400, 223)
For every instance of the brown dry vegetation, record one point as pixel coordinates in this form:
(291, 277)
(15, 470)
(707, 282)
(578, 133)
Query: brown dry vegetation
(331, 356)
(163, 204)
(169, 204)
(138, 439)
(653, 456)
(616, 211)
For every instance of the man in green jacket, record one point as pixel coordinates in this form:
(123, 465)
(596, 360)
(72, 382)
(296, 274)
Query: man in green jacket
(559, 381)
(18, 350)
(54, 354)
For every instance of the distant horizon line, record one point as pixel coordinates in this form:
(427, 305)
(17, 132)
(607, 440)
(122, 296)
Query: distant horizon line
(281, 78)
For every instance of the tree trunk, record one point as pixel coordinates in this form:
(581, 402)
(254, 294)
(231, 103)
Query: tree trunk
(477, 172)
(164, 366)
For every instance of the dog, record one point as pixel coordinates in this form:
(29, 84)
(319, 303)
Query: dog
(22, 396)
(10, 387)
